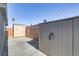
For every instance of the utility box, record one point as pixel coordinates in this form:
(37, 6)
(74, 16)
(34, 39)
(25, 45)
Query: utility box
(60, 38)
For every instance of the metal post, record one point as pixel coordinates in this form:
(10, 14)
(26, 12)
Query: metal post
(13, 26)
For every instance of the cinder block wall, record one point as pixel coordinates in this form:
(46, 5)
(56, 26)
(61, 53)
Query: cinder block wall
(32, 32)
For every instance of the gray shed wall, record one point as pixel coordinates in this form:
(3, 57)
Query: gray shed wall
(3, 39)
(65, 38)
(2, 36)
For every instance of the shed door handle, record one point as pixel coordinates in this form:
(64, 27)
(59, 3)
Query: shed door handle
(51, 35)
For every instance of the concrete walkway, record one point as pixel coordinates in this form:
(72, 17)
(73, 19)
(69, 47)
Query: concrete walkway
(20, 47)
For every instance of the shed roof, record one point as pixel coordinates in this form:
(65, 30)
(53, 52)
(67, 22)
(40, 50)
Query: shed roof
(64, 19)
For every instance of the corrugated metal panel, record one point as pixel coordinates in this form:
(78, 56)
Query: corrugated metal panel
(3, 11)
(3, 5)
(2, 38)
(2, 29)
(45, 30)
(66, 37)
(76, 37)
(52, 41)
(62, 38)
(61, 43)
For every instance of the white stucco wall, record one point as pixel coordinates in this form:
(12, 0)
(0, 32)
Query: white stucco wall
(19, 31)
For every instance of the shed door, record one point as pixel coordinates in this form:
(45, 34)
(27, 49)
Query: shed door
(62, 39)
(76, 37)
(44, 42)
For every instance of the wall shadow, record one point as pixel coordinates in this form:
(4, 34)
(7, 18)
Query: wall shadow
(34, 43)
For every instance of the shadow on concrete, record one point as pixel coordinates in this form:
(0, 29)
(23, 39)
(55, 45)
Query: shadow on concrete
(34, 43)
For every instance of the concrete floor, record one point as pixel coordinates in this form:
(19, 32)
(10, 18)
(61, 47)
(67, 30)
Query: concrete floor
(21, 47)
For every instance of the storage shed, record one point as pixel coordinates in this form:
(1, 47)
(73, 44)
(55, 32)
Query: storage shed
(3, 23)
(60, 37)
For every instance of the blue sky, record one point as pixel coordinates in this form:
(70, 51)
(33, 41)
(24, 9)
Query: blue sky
(35, 13)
